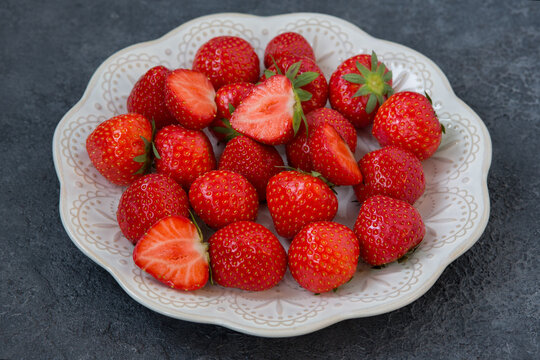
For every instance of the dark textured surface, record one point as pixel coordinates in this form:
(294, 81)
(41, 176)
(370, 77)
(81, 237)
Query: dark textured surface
(57, 303)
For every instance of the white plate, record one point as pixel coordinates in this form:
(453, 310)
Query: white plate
(455, 206)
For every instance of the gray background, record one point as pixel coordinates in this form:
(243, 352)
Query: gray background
(56, 303)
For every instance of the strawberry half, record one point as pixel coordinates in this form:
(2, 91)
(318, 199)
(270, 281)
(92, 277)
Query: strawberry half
(289, 43)
(270, 114)
(189, 96)
(332, 157)
(172, 251)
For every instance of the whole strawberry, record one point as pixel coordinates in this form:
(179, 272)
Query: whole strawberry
(147, 200)
(221, 197)
(289, 43)
(323, 256)
(298, 149)
(296, 199)
(408, 120)
(247, 256)
(119, 148)
(358, 87)
(172, 252)
(387, 229)
(256, 162)
(184, 154)
(226, 60)
(148, 97)
(391, 171)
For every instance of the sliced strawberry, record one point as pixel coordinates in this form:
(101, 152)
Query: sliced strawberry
(267, 114)
(190, 98)
(331, 156)
(172, 251)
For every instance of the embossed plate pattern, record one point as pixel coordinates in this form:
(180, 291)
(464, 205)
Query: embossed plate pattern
(455, 206)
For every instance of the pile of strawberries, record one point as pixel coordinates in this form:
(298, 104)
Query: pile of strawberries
(159, 151)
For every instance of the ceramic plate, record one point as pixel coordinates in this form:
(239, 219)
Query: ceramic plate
(455, 206)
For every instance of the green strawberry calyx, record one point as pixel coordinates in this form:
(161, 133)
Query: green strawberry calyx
(375, 83)
(313, 173)
(150, 152)
(227, 129)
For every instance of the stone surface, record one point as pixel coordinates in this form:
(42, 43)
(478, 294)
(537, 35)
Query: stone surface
(56, 303)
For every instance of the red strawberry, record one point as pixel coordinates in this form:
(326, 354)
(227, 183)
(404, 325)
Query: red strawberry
(289, 43)
(307, 78)
(323, 256)
(221, 197)
(270, 113)
(119, 148)
(387, 229)
(298, 150)
(393, 172)
(148, 97)
(358, 86)
(226, 60)
(172, 251)
(408, 120)
(331, 156)
(147, 200)
(228, 98)
(247, 256)
(189, 96)
(296, 199)
(184, 154)
(256, 162)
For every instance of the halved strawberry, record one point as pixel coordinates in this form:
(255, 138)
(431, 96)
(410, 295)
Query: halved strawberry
(172, 251)
(271, 113)
(331, 156)
(189, 96)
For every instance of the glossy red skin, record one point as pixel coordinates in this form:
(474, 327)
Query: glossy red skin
(387, 229)
(114, 143)
(408, 120)
(341, 92)
(298, 149)
(318, 87)
(229, 94)
(326, 161)
(323, 256)
(148, 97)
(221, 197)
(285, 44)
(185, 154)
(256, 162)
(247, 256)
(391, 171)
(295, 199)
(147, 200)
(226, 60)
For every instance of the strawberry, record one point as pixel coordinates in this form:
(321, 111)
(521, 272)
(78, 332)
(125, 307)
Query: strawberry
(226, 60)
(119, 148)
(247, 256)
(332, 157)
(408, 120)
(221, 197)
(393, 172)
(184, 154)
(387, 229)
(285, 44)
(307, 78)
(296, 199)
(148, 97)
(298, 149)
(172, 251)
(358, 86)
(147, 200)
(270, 113)
(189, 96)
(323, 256)
(256, 162)
(228, 98)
